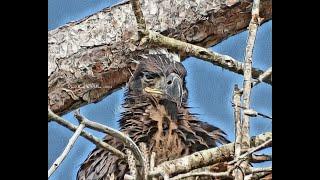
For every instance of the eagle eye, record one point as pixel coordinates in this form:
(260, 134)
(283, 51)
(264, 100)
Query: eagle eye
(149, 75)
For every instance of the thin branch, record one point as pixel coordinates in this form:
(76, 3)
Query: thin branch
(208, 157)
(252, 150)
(220, 174)
(152, 163)
(136, 7)
(259, 176)
(237, 116)
(259, 173)
(248, 72)
(220, 60)
(128, 177)
(245, 145)
(262, 169)
(165, 176)
(206, 173)
(144, 150)
(131, 163)
(85, 134)
(266, 75)
(255, 158)
(65, 152)
(253, 113)
(126, 140)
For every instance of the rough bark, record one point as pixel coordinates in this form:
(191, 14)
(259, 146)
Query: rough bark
(91, 58)
(237, 117)
(206, 157)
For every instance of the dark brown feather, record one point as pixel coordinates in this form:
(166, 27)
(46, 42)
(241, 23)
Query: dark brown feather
(169, 130)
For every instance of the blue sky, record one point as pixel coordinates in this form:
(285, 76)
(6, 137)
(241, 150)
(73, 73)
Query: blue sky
(210, 88)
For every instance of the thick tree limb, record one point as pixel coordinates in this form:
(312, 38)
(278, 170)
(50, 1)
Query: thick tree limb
(85, 134)
(205, 157)
(91, 58)
(67, 149)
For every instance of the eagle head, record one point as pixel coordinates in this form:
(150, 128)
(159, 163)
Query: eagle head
(160, 79)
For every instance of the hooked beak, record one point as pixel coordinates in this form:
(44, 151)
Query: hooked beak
(171, 88)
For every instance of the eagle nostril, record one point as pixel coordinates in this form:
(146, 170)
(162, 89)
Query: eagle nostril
(169, 82)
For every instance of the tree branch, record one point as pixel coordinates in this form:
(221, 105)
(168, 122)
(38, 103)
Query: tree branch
(217, 59)
(136, 7)
(247, 81)
(85, 134)
(67, 149)
(252, 150)
(248, 73)
(237, 116)
(218, 174)
(126, 140)
(263, 169)
(259, 174)
(255, 158)
(266, 75)
(91, 58)
(204, 157)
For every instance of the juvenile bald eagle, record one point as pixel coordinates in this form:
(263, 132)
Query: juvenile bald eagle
(156, 113)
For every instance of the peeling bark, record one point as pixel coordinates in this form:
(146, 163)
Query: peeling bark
(91, 58)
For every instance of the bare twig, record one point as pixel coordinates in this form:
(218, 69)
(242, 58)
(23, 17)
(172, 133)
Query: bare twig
(266, 75)
(258, 173)
(220, 174)
(85, 134)
(131, 163)
(208, 157)
(206, 173)
(247, 80)
(65, 152)
(237, 116)
(262, 169)
(255, 158)
(248, 72)
(126, 140)
(253, 113)
(165, 176)
(128, 177)
(144, 150)
(223, 61)
(252, 150)
(152, 163)
(259, 176)
(136, 7)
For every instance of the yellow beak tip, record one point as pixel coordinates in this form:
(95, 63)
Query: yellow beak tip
(150, 90)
